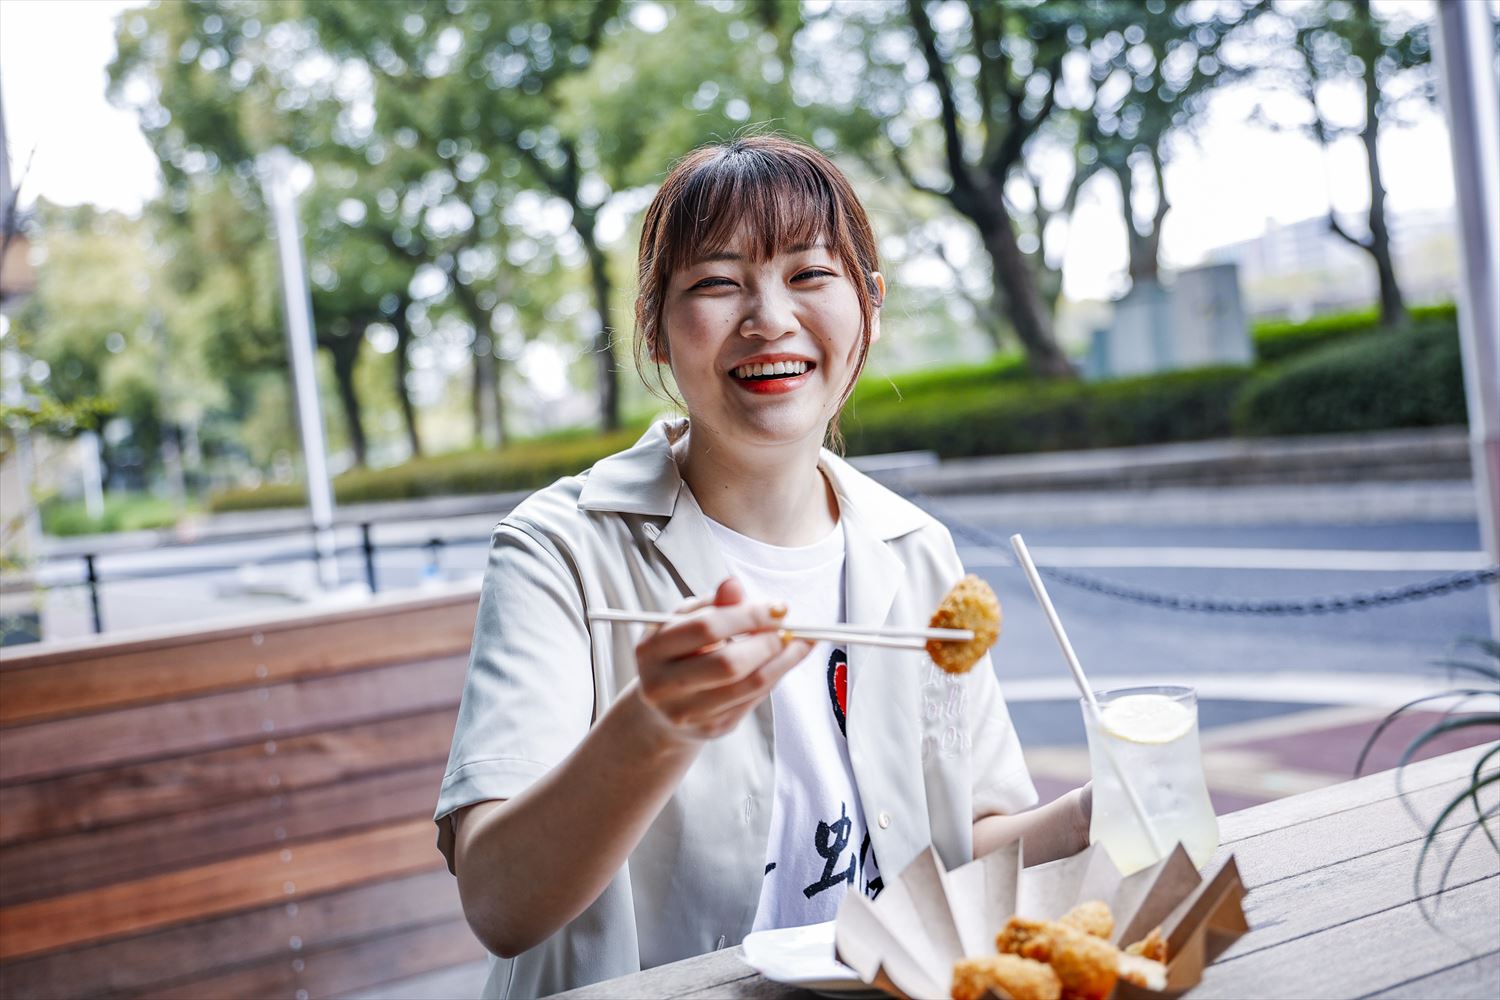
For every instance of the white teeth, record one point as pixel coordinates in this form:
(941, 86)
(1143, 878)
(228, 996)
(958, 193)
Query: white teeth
(775, 368)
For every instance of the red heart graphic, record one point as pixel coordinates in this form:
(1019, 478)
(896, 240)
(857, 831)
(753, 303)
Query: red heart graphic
(838, 687)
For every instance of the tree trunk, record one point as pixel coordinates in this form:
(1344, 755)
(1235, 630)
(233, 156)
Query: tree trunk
(403, 368)
(489, 414)
(604, 351)
(345, 352)
(1144, 247)
(1028, 314)
(489, 422)
(1392, 306)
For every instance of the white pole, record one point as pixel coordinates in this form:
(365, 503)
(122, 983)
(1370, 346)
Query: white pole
(276, 169)
(1464, 50)
(93, 476)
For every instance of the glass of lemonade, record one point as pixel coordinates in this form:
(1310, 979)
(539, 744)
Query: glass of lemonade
(1152, 735)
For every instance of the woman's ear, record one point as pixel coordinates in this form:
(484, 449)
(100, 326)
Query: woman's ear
(877, 288)
(658, 350)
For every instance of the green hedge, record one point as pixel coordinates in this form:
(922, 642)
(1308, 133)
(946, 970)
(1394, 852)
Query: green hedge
(523, 466)
(1177, 406)
(1333, 373)
(1003, 368)
(122, 512)
(1278, 341)
(1404, 378)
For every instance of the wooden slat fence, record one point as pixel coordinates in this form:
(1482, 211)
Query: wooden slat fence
(241, 811)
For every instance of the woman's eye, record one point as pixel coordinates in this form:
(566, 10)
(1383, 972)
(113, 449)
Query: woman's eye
(814, 273)
(713, 283)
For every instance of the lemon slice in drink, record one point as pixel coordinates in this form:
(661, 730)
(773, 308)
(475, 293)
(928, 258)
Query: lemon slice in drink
(1147, 718)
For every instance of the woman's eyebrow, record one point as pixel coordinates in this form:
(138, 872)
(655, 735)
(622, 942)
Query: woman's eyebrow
(729, 255)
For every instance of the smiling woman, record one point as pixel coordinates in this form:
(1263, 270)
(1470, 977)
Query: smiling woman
(760, 234)
(614, 802)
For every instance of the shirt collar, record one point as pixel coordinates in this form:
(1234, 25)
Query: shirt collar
(644, 479)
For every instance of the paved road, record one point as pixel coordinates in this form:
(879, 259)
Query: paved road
(1250, 559)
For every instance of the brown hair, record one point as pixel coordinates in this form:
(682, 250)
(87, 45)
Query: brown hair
(784, 193)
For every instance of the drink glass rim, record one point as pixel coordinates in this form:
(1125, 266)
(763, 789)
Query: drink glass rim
(1177, 692)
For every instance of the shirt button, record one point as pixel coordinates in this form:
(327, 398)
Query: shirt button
(885, 820)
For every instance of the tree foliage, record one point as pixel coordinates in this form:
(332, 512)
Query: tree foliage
(1320, 48)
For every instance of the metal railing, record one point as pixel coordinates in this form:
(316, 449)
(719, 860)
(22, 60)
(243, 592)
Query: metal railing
(366, 547)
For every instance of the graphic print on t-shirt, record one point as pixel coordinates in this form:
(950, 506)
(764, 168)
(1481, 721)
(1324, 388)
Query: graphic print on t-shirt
(838, 687)
(818, 844)
(830, 841)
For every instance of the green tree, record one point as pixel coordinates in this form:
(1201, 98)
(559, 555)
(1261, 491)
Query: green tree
(957, 92)
(108, 328)
(1150, 70)
(479, 86)
(1322, 46)
(216, 84)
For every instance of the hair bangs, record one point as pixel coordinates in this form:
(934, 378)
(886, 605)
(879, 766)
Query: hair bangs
(771, 203)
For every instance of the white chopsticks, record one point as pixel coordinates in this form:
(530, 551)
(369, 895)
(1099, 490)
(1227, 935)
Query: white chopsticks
(863, 635)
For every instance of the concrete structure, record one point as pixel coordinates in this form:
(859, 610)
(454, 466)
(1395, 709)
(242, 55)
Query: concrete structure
(1196, 321)
(1298, 269)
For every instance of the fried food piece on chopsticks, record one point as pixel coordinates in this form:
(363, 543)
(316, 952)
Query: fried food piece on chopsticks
(971, 604)
(1086, 966)
(1092, 917)
(1020, 978)
(1152, 946)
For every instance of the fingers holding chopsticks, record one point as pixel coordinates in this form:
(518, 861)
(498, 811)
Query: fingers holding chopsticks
(701, 673)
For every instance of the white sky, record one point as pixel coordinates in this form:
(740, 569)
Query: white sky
(1224, 190)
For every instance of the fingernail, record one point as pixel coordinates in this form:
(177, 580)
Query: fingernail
(786, 638)
(778, 610)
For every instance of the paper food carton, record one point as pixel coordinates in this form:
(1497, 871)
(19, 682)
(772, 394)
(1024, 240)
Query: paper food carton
(906, 941)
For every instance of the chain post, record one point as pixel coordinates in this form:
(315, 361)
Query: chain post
(93, 579)
(1184, 602)
(368, 545)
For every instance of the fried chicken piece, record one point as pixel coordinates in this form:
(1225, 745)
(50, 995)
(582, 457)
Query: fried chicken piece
(971, 604)
(1020, 978)
(1027, 938)
(1092, 917)
(1086, 966)
(1143, 972)
(1152, 946)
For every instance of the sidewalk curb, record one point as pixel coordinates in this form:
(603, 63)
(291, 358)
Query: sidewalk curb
(1440, 454)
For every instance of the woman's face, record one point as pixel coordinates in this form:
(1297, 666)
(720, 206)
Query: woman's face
(762, 350)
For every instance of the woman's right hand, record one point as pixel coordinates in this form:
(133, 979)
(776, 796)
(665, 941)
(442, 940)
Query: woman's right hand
(704, 672)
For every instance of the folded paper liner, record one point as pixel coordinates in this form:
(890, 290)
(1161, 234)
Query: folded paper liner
(906, 941)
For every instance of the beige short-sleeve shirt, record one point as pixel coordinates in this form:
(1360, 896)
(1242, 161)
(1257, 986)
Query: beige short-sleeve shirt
(930, 752)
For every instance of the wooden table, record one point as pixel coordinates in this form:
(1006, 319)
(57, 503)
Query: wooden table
(1332, 905)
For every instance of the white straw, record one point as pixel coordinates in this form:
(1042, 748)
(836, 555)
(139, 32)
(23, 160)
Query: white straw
(1019, 544)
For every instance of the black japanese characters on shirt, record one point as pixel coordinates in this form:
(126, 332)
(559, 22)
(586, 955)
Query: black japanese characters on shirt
(830, 841)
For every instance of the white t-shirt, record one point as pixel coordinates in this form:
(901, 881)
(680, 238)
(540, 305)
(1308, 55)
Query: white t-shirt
(819, 844)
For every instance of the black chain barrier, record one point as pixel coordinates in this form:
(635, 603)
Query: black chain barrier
(1186, 602)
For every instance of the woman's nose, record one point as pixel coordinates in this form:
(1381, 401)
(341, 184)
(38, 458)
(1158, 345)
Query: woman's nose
(770, 316)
